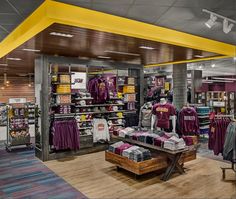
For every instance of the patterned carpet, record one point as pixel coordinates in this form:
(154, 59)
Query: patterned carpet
(24, 176)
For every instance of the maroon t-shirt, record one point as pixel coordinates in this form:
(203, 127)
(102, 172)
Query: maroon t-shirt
(163, 113)
(188, 121)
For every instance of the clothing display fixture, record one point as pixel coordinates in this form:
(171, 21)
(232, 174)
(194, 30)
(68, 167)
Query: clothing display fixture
(65, 135)
(99, 89)
(145, 115)
(162, 113)
(229, 151)
(188, 121)
(100, 130)
(218, 128)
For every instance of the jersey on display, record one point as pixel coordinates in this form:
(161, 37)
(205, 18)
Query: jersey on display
(99, 89)
(163, 113)
(100, 130)
(188, 120)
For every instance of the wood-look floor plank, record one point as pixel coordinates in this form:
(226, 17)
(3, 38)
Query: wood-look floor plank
(96, 178)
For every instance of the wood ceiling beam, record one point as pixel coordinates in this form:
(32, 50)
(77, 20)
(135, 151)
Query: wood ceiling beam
(55, 12)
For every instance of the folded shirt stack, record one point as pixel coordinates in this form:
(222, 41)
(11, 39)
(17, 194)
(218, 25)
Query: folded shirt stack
(139, 154)
(135, 135)
(174, 143)
(112, 147)
(188, 140)
(126, 131)
(159, 141)
(150, 138)
(127, 152)
(143, 136)
(119, 150)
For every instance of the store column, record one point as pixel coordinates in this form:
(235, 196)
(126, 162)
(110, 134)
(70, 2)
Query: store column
(196, 84)
(179, 85)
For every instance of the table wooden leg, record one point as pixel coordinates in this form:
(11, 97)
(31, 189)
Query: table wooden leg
(174, 164)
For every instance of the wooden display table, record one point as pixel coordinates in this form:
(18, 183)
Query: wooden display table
(175, 158)
(138, 168)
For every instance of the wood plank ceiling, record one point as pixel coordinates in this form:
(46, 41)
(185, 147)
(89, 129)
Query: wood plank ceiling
(92, 44)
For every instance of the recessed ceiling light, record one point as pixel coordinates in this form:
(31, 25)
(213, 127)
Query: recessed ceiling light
(103, 57)
(121, 53)
(223, 78)
(213, 65)
(220, 81)
(3, 64)
(14, 58)
(61, 34)
(234, 58)
(147, 47)
(31, 50)
(199, 56)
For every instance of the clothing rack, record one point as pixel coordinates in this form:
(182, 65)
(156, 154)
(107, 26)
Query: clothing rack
(228, 116)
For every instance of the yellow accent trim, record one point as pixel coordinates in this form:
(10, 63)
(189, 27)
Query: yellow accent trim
(34, 24)
(186, 61)
(55, 12)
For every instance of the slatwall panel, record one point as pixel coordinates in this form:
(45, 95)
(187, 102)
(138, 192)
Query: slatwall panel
(18, 88)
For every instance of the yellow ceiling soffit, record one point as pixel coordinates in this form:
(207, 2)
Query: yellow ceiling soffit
(187, 61)
(55, 12)
(34, 24)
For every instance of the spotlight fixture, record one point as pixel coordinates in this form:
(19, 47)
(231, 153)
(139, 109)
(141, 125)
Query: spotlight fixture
(226, 26)
(211, 22)
(228, 23)
(213, 65)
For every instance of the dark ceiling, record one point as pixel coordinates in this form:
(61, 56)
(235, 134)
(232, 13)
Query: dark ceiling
(93, 44)
(182, 15)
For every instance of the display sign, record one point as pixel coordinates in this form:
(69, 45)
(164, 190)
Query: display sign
(79, 80)
(218, 104)
(123, 73)
(17, 100)
(167, 86)
(160, 82)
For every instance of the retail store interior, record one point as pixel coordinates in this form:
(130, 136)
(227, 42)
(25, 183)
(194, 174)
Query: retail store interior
(118, 99)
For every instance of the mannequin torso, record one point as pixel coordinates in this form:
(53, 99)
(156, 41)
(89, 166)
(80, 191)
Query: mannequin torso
(162, 112)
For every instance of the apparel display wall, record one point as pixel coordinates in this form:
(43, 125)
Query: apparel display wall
(75, 109)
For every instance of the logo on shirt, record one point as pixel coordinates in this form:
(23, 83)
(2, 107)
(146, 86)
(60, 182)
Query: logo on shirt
(102, 86)
(162, 109)
(101, 127)
(189, 118)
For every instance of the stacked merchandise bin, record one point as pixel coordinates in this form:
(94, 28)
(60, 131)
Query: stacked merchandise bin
(17, 127)
(204, 120)
(3, 115)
